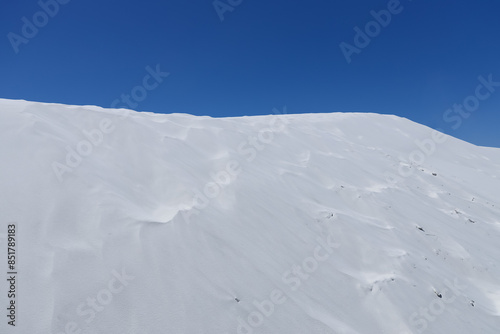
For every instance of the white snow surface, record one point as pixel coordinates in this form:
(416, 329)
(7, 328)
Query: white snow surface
(280, 224)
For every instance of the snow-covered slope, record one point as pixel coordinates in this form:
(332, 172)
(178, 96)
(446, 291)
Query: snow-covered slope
(283, 224)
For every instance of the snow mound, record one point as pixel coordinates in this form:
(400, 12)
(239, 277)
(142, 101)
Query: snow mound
(320, 223)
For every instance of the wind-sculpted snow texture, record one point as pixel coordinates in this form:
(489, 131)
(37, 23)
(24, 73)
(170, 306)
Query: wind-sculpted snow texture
(282, 224)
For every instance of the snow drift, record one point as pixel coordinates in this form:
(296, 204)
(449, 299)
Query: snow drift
(321, 223)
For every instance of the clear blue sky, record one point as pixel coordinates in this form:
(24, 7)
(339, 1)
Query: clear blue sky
(263, 55)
